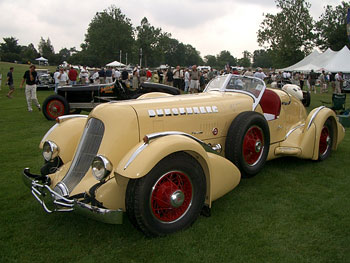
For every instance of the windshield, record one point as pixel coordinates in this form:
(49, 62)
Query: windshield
(237, 83)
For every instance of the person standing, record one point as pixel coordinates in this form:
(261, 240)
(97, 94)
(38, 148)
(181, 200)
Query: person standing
(135, 78)
(323, 85)
(84, 75)
(169, 77)
(338, 82)
(178, 76)
(61, 78)
(102, 76)
(72, 75)
(10, 83)
(312, 80)
(194, 77)
(143, 75)
(30, 78)
(260, 74)
(109, 73)
(301, 80)
(187, 80)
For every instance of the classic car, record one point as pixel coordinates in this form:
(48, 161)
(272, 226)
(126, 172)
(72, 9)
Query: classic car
(45, 80)
(72, 99)
(164, 159)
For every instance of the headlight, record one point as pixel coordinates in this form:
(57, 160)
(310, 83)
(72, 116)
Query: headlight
(50, 150)
(101, 167)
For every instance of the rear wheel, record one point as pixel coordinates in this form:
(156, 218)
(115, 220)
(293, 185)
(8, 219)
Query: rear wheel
(169, 198)
(326, 140)
(248, 142)
(55, 106)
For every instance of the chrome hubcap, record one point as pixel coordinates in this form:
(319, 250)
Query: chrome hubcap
(177, 198)
(258, 146)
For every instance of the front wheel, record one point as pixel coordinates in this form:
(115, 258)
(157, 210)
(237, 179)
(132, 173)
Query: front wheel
(169, 198)
(326, 140)
(55, 106)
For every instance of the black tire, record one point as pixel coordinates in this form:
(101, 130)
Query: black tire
(169, 198)
(55, 106)
(306, 98)
(326, 140)
(248, 142)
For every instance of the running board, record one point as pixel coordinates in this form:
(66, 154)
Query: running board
(287, 151)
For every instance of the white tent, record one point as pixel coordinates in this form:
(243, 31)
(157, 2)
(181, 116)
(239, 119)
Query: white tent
(331, 61)
(42, 60)
(115, 64)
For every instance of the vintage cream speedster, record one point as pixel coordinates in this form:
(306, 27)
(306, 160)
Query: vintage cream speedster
(163, 159)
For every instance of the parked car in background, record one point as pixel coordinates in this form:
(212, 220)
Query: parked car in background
(72, 99)
(45, 80)
(163, 160)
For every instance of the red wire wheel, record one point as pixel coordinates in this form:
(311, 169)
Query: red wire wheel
(325, 140)
(171, 197)
(55, 108)
(253, 145)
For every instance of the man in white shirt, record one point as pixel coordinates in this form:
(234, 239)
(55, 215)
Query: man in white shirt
(260, 74)
(61, 78)
(338, 82)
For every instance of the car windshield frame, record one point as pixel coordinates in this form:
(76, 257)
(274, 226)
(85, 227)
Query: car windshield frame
(251, 86)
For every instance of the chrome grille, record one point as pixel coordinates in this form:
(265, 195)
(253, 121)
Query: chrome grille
(87, 150)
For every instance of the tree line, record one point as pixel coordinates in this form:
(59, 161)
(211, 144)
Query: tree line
(284, 38)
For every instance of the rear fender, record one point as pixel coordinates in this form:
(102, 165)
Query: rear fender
(221, 175)
(314, 124)
(66, 135)
(153, 95)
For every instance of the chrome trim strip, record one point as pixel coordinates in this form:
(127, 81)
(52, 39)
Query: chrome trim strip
(67, 117)
(314, 116)
(135, 154)
(293, 129)
(154, 136)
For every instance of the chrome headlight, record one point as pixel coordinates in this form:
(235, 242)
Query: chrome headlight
(50, 150)
(101, 167)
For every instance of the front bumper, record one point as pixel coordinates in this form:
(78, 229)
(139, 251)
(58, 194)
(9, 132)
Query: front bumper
(54, 202)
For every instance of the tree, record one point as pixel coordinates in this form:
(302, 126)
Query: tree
(47, 51)
(10, 50)
(225, 58)
(288, 33)
(262, 58)
(245, 61)
(331, 27)
(29, 53)
(210, 60)
(108, 33)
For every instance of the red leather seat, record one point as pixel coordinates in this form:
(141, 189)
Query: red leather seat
(271, 103)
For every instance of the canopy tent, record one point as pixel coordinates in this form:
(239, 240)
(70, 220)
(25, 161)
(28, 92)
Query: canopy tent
(115, 64)
(330, 61)
(42, 60)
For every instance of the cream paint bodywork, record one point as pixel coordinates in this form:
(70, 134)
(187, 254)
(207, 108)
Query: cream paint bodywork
(126, 123)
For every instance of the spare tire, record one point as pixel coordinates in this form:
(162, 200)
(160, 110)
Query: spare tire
(55, 106)
(248, 142)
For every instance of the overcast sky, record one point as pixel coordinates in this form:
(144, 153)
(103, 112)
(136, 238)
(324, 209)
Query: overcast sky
(208, 25)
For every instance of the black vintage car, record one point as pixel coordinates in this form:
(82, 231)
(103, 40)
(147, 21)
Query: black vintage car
(73, 99)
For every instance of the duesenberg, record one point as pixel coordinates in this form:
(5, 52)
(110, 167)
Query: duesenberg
(163, 159)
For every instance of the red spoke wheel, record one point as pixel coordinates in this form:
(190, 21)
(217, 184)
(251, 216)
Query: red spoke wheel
(55, 106)
(326, 140)
(169, 198)
(247, 143)
(253, 145)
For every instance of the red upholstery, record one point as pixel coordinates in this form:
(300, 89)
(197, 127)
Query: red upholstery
(270, 103)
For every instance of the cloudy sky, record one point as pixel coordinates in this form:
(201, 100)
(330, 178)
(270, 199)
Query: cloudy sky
(209, 25)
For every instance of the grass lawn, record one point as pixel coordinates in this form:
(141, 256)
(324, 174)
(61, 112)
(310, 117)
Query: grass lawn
(293, 211)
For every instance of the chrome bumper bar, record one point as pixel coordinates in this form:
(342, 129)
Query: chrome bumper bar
(54, 202)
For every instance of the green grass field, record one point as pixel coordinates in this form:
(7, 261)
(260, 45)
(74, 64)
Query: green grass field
(293, 211)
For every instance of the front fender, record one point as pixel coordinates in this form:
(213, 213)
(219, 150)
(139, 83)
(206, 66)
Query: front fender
(66, 135)
(154, 95)
(221, 175)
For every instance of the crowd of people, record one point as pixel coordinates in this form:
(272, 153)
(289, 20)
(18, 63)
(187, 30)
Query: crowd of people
(189, 79)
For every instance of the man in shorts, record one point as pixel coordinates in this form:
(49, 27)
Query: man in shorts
(10, 83)
(30, 78)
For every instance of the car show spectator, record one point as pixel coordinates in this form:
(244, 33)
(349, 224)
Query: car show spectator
(177, 77)
(312, 80)
(249, 73)
(61, 78)
(116, 74)
(148, 74)
(301, 80)
(143, 75)
(169, 77)
(201, 81)
(155, 77)
(102, 76)
(194, 80)
(339, 82)
(9, 82)
(72, 75)
(187, 79)
(135, 78)
(95, 77)
(323, 84)
(259, 74)
(84, 75)
(109, 75)
(30, 77)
